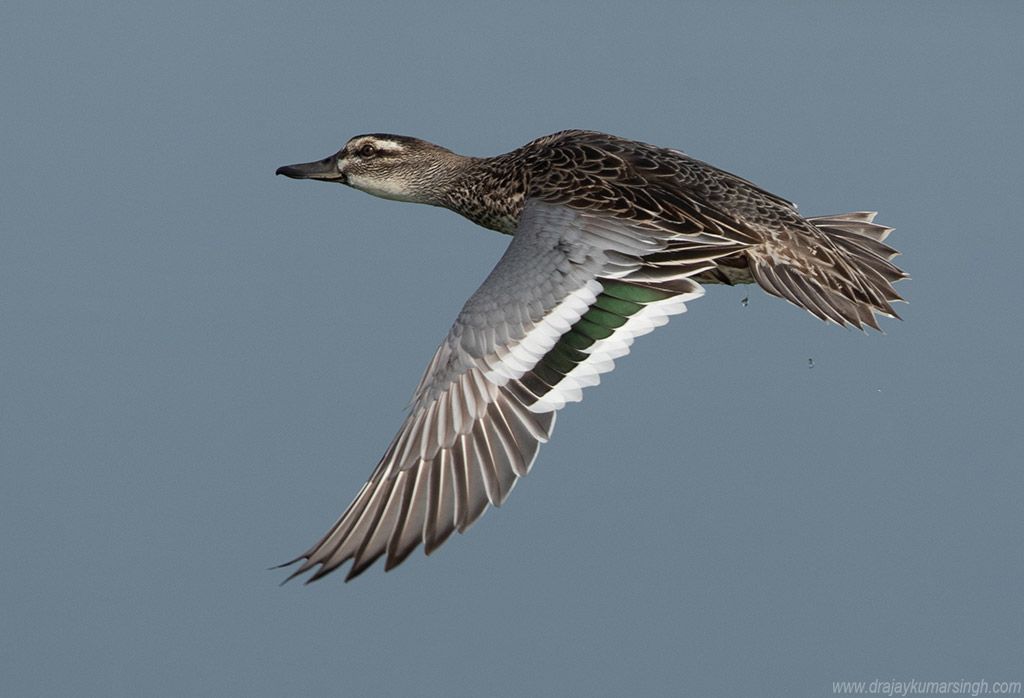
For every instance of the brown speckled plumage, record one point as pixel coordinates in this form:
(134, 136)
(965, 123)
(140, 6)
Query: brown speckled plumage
(843, 277)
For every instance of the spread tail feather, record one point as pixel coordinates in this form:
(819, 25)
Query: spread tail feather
(844, 276)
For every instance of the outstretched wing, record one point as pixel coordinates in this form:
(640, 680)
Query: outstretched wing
(568, 297)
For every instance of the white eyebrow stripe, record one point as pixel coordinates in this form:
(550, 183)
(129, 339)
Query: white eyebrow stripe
(382, 145)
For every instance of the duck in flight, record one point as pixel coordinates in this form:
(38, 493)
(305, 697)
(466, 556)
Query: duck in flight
(610, 237)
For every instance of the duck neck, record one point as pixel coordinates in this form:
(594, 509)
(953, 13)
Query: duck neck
(488, 191)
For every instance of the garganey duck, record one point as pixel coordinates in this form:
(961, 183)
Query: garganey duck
(610, 238)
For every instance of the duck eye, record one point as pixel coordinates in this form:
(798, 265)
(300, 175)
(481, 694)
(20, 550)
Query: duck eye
(368, 151)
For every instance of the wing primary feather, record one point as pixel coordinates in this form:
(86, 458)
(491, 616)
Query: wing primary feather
(406, 480)
(486, 463)
(405, 539)
(441, 505)
(477, 499)
(509, 446)
(376, 540)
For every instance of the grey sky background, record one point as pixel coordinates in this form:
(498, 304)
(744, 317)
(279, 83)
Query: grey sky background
(200, 363)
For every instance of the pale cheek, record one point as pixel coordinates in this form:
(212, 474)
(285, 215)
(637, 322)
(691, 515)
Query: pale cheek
(383, 189)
